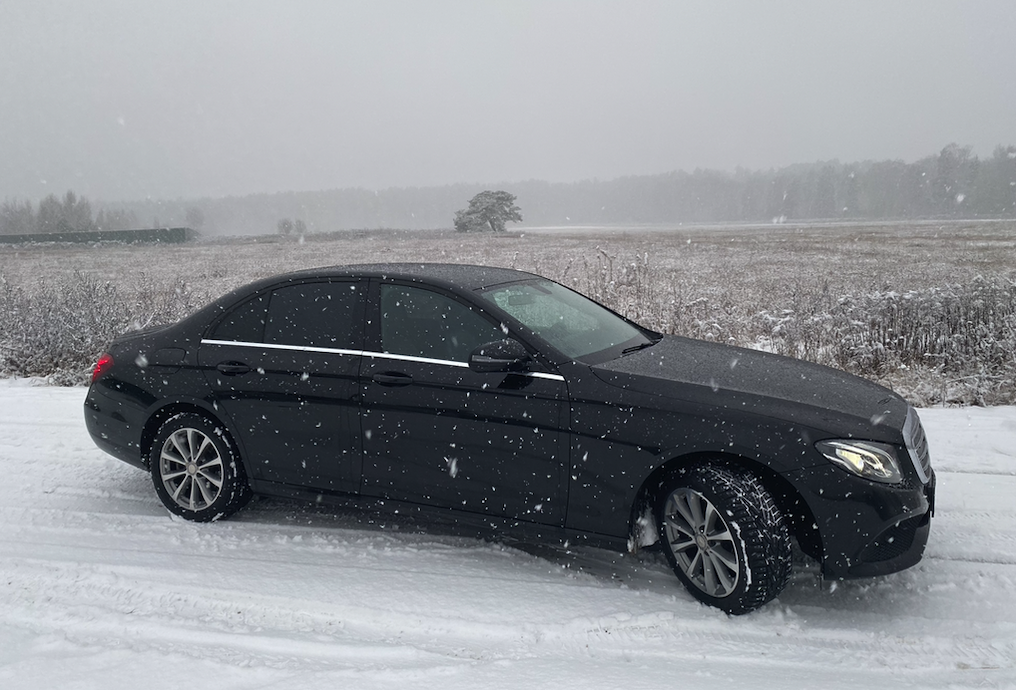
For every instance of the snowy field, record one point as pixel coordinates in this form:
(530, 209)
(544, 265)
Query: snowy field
(102, 589)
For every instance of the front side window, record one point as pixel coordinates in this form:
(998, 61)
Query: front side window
(577, 326)
(423, 323)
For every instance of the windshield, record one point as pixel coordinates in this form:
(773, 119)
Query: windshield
(577, 326)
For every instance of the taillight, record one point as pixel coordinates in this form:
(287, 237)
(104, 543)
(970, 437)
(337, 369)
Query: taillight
(104, 364)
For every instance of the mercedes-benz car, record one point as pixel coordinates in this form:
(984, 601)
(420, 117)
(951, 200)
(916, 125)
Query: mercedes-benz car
(504, 402)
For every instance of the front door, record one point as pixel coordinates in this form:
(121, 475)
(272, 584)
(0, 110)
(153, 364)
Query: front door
(437, 433)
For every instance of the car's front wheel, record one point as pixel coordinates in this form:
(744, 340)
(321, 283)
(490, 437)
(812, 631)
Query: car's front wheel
(724, 535)
(196, 472)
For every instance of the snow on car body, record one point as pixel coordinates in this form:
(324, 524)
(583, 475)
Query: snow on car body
(503, 402)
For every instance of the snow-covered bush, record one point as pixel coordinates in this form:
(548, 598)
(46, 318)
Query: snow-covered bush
(928, 310)
(57, 328)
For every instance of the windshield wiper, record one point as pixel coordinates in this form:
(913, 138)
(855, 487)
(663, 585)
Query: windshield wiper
(640, 346)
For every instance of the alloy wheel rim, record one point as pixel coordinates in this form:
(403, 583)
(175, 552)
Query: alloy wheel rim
(191, 469)
(702, 542)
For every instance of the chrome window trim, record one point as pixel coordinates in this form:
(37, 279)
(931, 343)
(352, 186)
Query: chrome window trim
(277, 346)
(367, 353)
(412, 358)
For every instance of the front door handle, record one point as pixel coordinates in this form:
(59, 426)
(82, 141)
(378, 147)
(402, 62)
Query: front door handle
(393, 379)
(232, 368)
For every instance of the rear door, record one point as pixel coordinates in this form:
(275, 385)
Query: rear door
(283, 366)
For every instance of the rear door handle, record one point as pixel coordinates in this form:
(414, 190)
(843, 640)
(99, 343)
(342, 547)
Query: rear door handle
(393, 379)
(232, 368)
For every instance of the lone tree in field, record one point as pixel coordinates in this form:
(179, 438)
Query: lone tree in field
(488, 211)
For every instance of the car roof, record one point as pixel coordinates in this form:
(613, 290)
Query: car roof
(461, 276)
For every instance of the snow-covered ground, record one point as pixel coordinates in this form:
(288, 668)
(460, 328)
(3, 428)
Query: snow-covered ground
(100, 588)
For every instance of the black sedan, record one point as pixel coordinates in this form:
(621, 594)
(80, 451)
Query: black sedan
(507, 403)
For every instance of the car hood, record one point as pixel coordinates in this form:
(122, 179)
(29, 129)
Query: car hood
(760, 382)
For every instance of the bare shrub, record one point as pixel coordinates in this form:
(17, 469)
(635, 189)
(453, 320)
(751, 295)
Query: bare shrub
(965, 334)
(57, 328)
(927, 309)
(955, 344)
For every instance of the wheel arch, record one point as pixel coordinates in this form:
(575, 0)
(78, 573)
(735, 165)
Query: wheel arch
(799, 518)
(166, 412)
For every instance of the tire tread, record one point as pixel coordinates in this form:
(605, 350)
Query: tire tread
(760, 525)
(236, 486)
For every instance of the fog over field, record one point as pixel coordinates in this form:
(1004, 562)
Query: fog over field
(124, 101)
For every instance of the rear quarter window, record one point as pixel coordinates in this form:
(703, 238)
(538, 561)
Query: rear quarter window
(245, 323)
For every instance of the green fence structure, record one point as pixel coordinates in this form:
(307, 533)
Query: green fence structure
(144, 236)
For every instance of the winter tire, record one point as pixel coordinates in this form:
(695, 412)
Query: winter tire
(196, 472)
(724, 537)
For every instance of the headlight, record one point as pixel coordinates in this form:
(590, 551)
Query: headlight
(874, 461)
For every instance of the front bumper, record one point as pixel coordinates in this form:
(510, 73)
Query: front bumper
(867, 529)
(898, 547)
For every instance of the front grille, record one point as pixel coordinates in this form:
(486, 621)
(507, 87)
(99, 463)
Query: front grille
(894, 542)
(917, 445)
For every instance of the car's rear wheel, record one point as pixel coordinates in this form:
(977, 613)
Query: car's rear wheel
(724, 536)
(195, 469)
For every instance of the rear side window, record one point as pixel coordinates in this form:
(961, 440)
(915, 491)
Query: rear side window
(316, 315)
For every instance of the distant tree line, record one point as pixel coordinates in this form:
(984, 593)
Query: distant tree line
(70, 214)
(953, 183)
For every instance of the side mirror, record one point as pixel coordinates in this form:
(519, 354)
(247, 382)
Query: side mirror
(499, 356)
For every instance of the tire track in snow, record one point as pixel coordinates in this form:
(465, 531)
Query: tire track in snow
(131, 594)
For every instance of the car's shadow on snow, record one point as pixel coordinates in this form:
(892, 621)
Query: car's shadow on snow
(806, 596)
(647, 570)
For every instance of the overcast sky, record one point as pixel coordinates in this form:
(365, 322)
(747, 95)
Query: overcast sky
(123, 100)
